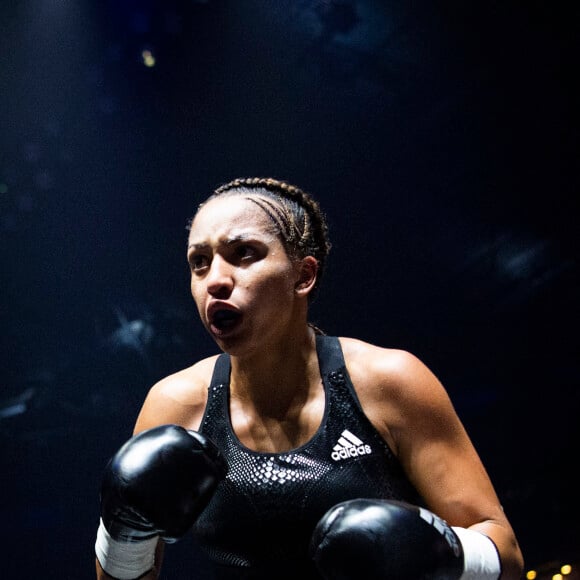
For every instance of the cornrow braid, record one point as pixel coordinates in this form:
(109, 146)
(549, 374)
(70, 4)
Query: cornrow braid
(296, 215)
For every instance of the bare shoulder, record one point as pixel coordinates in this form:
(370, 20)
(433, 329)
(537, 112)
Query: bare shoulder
(389, 368)
(179, 398)
(187, 385)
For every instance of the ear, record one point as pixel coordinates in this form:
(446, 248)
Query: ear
(307, 274)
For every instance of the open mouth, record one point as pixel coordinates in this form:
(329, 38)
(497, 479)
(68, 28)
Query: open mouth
(225, 319)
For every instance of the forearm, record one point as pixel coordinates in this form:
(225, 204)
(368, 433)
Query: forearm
(102, 575)
(507, 547)
(127, 560)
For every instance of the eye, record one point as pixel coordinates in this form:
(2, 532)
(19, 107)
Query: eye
(245, 251)
(198, 262)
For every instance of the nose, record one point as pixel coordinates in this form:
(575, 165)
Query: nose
(219, 279)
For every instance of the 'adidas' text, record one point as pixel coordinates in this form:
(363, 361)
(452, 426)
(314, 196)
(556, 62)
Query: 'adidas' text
(349, 445)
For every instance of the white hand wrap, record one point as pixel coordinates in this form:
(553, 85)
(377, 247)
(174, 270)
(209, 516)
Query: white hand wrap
(481, 559)
(124, 560)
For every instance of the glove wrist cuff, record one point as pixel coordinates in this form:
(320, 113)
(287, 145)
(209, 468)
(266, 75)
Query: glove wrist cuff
(480, 556)
(124, 560)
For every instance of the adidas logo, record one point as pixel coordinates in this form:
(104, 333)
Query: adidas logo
(349, 445)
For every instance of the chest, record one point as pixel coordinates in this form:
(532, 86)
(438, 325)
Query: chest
(280, 431)
(277, 497)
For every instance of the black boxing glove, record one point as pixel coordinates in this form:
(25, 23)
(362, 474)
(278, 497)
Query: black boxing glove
(155, 486)
(384, 539)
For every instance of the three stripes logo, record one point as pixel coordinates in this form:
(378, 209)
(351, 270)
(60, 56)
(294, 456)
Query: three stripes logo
(349, 445)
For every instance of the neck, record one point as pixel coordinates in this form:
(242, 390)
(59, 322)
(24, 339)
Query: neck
(277, 377)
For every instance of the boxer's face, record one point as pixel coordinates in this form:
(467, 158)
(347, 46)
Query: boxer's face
(242, 280)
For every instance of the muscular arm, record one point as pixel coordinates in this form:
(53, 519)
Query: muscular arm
(410, 407)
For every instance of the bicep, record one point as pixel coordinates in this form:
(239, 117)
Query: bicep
(445, 467)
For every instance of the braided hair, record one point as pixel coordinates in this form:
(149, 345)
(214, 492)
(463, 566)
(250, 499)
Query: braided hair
(295, 215)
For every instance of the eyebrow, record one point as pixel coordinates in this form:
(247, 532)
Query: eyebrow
(197, 246)
(230, 240)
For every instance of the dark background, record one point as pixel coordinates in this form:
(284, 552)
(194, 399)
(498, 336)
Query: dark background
(440, 137)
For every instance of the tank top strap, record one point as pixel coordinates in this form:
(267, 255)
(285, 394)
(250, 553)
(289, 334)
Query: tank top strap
(221, 371)
(330, 357)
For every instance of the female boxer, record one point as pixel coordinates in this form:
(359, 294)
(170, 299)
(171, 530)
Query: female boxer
(291, 453)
